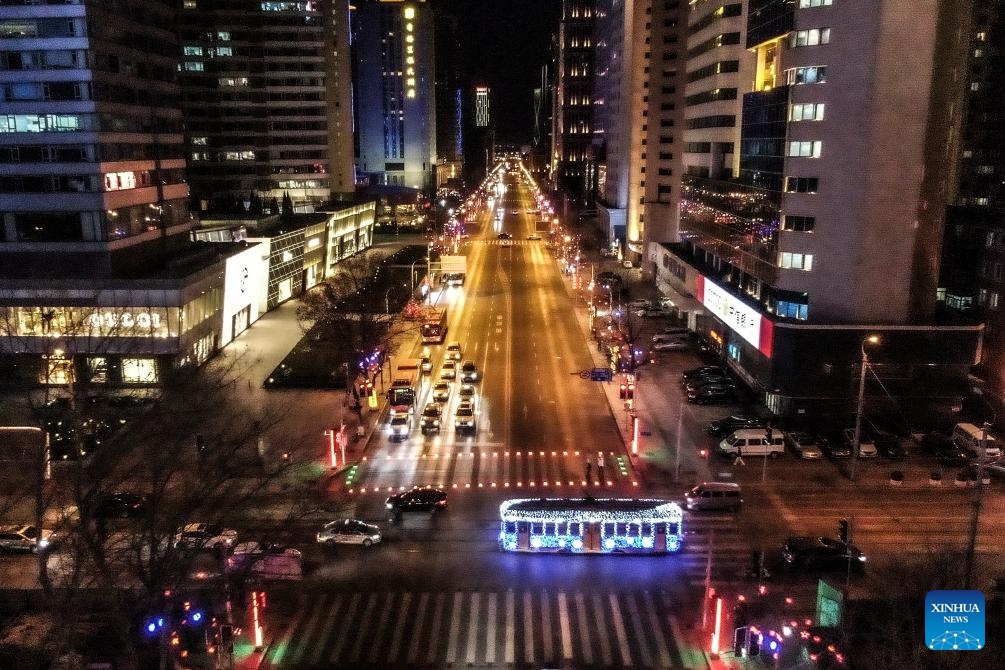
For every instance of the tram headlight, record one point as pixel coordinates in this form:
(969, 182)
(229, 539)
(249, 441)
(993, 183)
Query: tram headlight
(577, 544)
(647, 542)
(535, 542)
(609, 543)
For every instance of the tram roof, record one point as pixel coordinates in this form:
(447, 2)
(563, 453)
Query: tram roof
(612, 509)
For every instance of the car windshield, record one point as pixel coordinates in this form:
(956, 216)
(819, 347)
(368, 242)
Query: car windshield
(432, 411)
(399, 420)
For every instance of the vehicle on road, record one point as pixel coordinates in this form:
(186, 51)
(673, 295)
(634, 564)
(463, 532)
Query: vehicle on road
(430, 420)
(195, 536)
(754, 442)
(349, 531)
(405, 383)
(24, 537)
(804, 445)
(469, 372)
(608, 278)
(434, 325)
(441, 391)
(418, 499)
(449, 370)
(654, 313)
(714, 496)
(464, 418)
(533, 237)
(713, 394)
(639, 303)
(678, 334)
(728, 424)
(399, 426)
(821, 553)
(426, 366)
(454, 351)
(466, 393)
(671, 345)
(265, 560)
(590, 525)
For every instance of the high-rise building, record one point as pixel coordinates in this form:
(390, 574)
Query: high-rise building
(267, 101)
(394, 65)
(482, 110)
(636, 119)
(572, 116)
(449, 102)
(826, 227)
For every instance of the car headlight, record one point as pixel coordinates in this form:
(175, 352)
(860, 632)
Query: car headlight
(389, 505)
(861, 558)
(42, 543)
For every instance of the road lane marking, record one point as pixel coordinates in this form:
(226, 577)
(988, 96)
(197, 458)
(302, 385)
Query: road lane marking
(509, 651)
(546, 625)
(528, 629)
(364, 620)
(420, 616)
(434, 632)
(586, 647)
(333, 618)
(619, 629)
(305, 634)
(633, 612)
(399, 630)
(455, 628)
(563, 621)
(605, 644)
(344, 631)
(654, 622)
(473, 627)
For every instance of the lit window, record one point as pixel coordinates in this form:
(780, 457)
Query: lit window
(810, 38)
(194, 66)
(803, 4)
(795, 261)
(139, 370)
(807, 111)
(810, 149)
(192, 51)
(223, 36)
(975, 86)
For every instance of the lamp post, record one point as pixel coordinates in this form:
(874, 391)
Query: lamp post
(871, 339)
(411, 271)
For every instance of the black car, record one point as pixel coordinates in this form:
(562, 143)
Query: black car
(608, 278)
(821, 553)
(698, 382)
(833, 445)
(729, 424)
(120, 505)
(712, 394)
(504, 236)
(888, 445)
(469, 372)
(702, 371)
(944, 449)
(419, 499)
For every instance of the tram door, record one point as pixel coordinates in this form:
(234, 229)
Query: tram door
(660, 538)
(591, 536)
(522, 535)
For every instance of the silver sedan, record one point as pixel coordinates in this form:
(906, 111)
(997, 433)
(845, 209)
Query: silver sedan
(349, 531)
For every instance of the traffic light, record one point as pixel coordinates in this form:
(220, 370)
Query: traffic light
(623, 391)
(843, 530)
(739, 641)
(754, 643)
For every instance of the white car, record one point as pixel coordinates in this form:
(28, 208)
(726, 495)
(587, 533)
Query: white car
(399, 426)
(670, 345)
(466, 393)
(866, 447)
(454, 351)
(464, 418)
(349, 531)
(23, 537)
(205, 536)
(449, 370)
(441, 392)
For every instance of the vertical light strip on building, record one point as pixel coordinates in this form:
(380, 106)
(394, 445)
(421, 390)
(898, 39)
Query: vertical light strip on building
(409, 13)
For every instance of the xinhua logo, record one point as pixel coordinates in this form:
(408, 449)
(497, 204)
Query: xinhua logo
(954, 620)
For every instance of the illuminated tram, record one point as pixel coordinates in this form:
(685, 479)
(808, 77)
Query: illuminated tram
(591, 525)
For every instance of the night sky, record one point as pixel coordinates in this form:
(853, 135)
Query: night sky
(505, 43)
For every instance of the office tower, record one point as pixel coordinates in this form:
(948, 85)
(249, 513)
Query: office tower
(449, 102)
(572, 119)
(827, 227)
(482, 110)
(636, 120)
(393, 60)
(266, 91)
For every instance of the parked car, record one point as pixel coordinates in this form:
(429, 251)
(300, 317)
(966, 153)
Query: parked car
(671, 345)
(821, 553)
(469, 372)
(639, 303)
(119, 505)
(866, 445)
(702, 371)
(889, 445)
(24, 537)
(726, 425)
(205, 536)
(804, 445)
(430, 420)
(349, 531)
(712, 394)
(833, 445)
(418, 499)
(678, 334)
(698, 382)
(608, 279)
(654, 313)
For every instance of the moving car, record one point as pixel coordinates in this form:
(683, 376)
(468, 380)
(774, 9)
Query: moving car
(24, 537)
(533, 237)
(469, 372)
(205, 536)
(348, 531)
(399, 426)
(449, 370)
(265, 560)
(608, 279)
(441, 391)
(466, 393)
(454, 351)
(418, 499)
(822, 553)
(426, 365)
(804, 445)
(654, 313)
(430, 420)
(464, 418)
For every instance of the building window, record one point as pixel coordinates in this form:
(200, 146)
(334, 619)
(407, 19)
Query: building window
(807, 111)
(810, 38)
(975, 86)
(792, 310)
(993, 300)
(801, 184)
(816, 74)
(192, 51)
(799, 224)
(807, 149)
(97, 369)
(803, 4)
(139, 370)
(792, 261)
(194, 66)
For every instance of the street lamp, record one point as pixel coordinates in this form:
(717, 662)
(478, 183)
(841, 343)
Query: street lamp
(871, 339)
(411, 272)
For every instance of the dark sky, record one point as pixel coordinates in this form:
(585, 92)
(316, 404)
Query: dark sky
(504, 43)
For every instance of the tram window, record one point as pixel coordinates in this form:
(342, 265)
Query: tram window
(673, 529)
(646, 528)
(609, 528)
(536, 528)
(562, 528)
(522, 526)
(575, 528)
(661, 528)
(509, 527)
(549, 528)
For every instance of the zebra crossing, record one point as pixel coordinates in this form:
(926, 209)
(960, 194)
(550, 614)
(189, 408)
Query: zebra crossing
(489, 468)
(512, 628)
(511, 243)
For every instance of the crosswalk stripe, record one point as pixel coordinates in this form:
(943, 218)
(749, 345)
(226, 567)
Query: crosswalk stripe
(385, 618)
(399, 630)
(605, 645)
(308, 632)
(510, 651)
(490, 630)
(344, 632)
(357, 648)
(333, 618)
(420, 617)
(619, 629)
(528, 627)
(654, 624)
(546, 625)
(473, 627)
(455, 628)
(563, 622)
(585, 647)
(276, 650)
(434, 632)
(633, 612)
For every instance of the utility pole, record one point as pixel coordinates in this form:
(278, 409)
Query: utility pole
(708, 580)
(976, 503)
(871, 339)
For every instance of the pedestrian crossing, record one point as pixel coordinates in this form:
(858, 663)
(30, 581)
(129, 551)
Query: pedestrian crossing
(485, 467)
(509, 628)
(511, 243)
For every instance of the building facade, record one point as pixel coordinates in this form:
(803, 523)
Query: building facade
(395, 102)
(572, 126)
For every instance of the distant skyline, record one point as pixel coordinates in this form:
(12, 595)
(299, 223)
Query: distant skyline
(504, 43)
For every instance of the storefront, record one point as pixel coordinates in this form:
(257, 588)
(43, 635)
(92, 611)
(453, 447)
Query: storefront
(245, 285)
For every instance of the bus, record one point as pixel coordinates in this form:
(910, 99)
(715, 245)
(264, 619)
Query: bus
(591, 525)
(405, 383)
(434, 326)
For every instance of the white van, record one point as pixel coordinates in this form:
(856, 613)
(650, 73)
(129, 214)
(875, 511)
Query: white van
(754, 442)
(970, 438)
(714, 496)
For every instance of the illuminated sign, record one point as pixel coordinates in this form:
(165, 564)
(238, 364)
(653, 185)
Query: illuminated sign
(743, 319)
